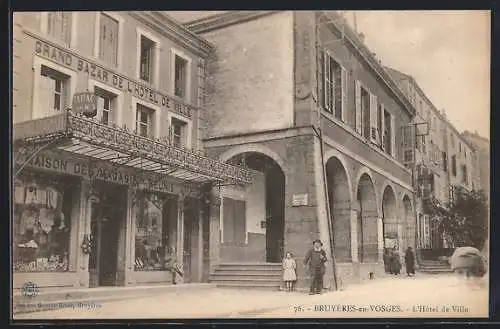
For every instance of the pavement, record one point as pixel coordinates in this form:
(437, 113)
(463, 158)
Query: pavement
(392, 297)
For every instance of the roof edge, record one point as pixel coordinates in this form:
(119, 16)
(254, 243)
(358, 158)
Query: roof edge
(218, 21)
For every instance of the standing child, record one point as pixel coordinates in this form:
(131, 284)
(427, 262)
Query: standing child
(289, 271)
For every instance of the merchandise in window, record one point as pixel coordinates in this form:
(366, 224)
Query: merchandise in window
(42, 212)
(155, 236)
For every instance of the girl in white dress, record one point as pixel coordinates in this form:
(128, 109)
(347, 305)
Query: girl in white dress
(289, 271)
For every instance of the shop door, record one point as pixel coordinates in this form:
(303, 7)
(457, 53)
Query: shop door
(104, 225)
(187, 251)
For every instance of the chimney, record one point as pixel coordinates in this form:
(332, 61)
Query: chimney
(362, 37)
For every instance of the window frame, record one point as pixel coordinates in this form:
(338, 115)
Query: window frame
(155, 116)
(156, 57)
(44, 28)
(97, 28)
(38, 62)
(344, 89)
(189, 64)
(118, 115)
(188, 128)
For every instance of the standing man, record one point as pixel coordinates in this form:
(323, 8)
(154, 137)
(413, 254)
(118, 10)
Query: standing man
(316, 258)
(410, 262)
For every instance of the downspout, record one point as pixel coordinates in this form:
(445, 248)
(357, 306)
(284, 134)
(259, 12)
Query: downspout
(319, 133)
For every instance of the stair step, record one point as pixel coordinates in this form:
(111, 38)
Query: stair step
(265, 276)
(248, 283)
(249, 287)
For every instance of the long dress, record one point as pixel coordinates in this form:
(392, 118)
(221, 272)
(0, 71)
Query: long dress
(410, 262)
(289, 267)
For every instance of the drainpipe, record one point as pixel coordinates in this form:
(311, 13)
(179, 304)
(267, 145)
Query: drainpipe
(319, 133)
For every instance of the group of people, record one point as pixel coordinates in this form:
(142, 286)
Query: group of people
(392, 261)
(316, 258)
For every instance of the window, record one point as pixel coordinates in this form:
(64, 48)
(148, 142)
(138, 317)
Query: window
(179, 133)
(106, 104)
(408, 144)
(146, 59)
(156, 231)
(365, 113)
(445, 161)
(454, 165)
(459, 147)
(335, 87)
(59, 26)
(144, 121)
(388, 138)
(42, 224)
(108, 40)
(234, 221)
(465, 177)
(452, 139)
(180, 79)
(53, 91)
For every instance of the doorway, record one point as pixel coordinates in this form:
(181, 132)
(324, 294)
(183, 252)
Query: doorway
(106, 221)
(191, 241)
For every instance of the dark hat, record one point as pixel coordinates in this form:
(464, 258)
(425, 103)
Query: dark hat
(318, 241)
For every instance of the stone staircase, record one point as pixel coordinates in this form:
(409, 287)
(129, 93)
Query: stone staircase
(262, 276)
(435, 267)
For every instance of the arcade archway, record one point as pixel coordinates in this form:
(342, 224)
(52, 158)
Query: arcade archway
(410, 222)
(264, 217)
(390, 219)
(340, 207)
(367, 220)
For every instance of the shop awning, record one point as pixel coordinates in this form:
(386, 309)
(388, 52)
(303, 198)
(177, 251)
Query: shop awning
(83, 136)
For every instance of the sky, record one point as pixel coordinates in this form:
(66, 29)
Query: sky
(446, 52)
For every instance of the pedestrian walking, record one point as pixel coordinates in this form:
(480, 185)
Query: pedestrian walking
(410, 261)
(395, 263)
(386, 261)
(289, 271)
(316, 258)
(172, 265)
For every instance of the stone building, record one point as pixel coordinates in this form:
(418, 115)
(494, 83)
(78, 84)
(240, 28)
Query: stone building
(300, 98)
(482, 146)
(443, 159)
(102, 194)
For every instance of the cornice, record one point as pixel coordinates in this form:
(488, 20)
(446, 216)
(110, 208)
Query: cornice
(218, 21)
(168, 27)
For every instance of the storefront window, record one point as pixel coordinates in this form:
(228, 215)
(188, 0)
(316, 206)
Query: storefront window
(41, 225)
(156, 217)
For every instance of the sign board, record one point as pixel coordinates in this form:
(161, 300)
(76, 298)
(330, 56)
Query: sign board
(86, 103)
(300, 200)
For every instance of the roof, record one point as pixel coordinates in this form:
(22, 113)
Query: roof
(218, 21)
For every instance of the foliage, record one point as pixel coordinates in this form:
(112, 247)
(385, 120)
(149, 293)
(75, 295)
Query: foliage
(463, 221)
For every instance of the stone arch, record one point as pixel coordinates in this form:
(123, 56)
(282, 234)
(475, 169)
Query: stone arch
(409, 221)
(390, 217)
(263, 201)
(367, 218)
(257, 148)
(345, 163)
(339, 197)
(362, 171)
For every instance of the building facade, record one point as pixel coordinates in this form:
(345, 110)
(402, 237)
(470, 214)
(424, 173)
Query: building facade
(443, 159)
(102, 197)
(300, 98)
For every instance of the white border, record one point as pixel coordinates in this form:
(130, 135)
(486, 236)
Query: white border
(117, 115)
(176, 52)
(44, 24)
(189, 128)
(156, 114)
(37, 67)
(121, 21)
(156, 65)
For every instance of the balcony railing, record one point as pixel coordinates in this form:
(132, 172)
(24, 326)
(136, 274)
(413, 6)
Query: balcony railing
(159, 151)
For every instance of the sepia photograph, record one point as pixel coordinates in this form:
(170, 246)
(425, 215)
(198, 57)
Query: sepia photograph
(250, 164)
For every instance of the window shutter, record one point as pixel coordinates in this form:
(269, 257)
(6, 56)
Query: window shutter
(328, 83)
(108, 40)
(393, 136)
(46, 97)
(373, 119)
(382, 134)
(358, 107)
(100, 108)
(321, 79)
(408, 144)
(345, 100)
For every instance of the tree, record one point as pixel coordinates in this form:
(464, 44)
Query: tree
(463, 221)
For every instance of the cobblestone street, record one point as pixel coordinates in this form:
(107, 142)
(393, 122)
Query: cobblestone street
(421, 296)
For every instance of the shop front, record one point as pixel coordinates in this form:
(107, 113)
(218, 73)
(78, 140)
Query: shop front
(99, 206)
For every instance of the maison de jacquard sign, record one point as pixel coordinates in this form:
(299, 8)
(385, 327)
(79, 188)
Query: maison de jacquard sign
(106, 76)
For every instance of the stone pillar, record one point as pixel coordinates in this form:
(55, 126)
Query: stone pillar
(370, 235)
(342, 231)
(354, 236)
(380, 235)
(83, 230)
(180, 230)
(214, 230)
(130, 237)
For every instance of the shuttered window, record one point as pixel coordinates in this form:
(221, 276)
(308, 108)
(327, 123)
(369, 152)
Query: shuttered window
(108, 40)
(59, 26)
(359, 124)
(52, 92)
(234, 222)
(180, 82)
(374, 119)
(335, 87)
(408, 144)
